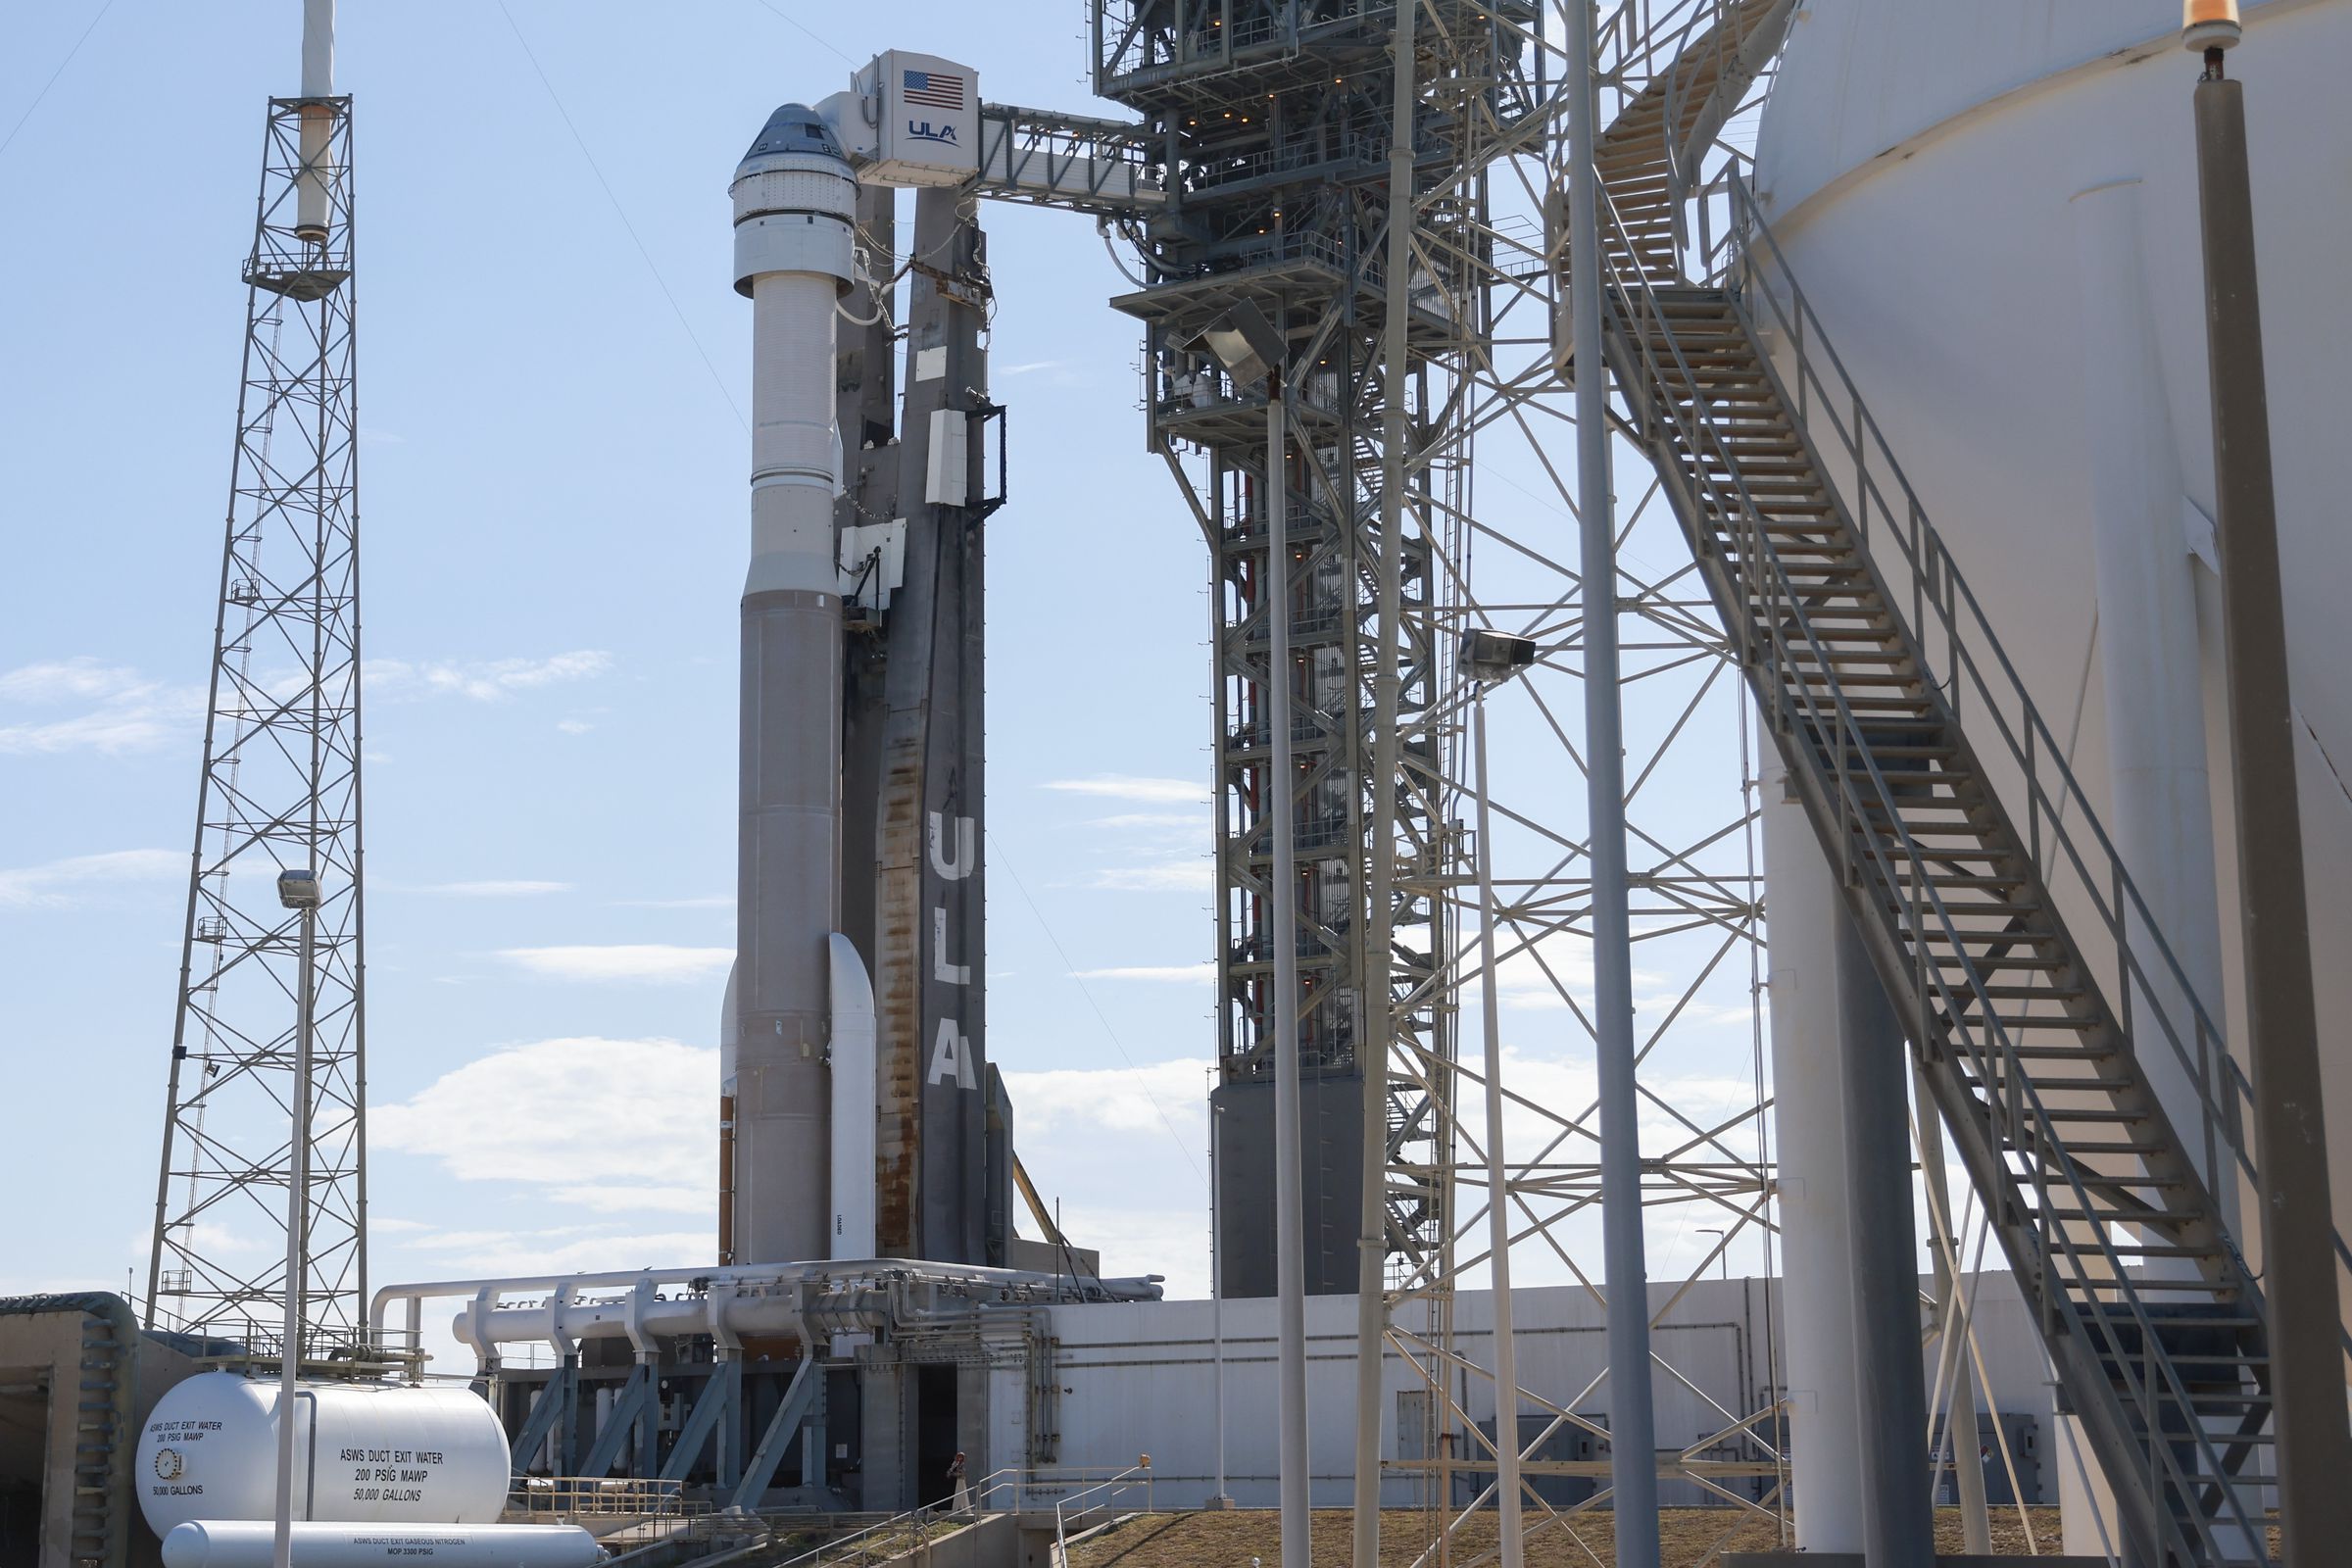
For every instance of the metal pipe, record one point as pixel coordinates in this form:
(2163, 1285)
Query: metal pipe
(1379, 1013)
(1290, 1263)
(1498, 1213)
(298, 1180)
(318, 120)
(1632, 1433)
(2290, 1134)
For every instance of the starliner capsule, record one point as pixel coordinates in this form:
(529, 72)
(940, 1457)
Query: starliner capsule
(795, 198)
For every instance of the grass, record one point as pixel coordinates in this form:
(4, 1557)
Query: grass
(1691, 1536)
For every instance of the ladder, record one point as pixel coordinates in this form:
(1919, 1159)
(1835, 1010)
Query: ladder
(1969, 872)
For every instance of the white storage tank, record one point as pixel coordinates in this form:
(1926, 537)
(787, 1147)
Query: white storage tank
(363, 1454)
(252, 1545)
(1992, 207)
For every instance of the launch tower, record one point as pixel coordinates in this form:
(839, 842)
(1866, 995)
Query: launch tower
(280, 788)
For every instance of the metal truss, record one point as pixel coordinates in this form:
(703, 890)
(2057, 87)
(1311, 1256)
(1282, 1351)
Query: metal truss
(1431, 495)
(279, 789)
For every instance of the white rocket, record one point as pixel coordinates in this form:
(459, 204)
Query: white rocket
(801, 1074)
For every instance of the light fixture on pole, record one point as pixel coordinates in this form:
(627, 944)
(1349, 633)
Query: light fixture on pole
(297, 891)
(1489, 658)
(2291, 1131)
(1251, 349)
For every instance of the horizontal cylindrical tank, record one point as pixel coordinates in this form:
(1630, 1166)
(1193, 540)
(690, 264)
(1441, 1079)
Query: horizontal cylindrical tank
(251, 1543)
(363, 1454)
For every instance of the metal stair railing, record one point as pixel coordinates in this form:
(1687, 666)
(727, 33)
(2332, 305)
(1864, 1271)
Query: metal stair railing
(2153, 981)
(2060, 1266)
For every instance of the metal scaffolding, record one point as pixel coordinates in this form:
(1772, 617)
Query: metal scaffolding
(1428, 493)
(279, 789)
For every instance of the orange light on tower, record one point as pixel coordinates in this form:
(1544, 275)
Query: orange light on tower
(2209, 24)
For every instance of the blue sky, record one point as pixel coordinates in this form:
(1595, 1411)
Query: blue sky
(553, 371)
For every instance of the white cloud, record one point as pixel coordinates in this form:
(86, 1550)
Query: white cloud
(517, 889)
(59, 881)
(561, 1250)
(1125, 1148)
(1074, 1100)
(633, 1122)
(74, 680)
(573, 726)
(133, 713)
(1165, 876)
(483, 680)
(641, 1200)
(1185, 973)
(1188, 821)
(1169, 1241)
(647, 962)
(1128, 787)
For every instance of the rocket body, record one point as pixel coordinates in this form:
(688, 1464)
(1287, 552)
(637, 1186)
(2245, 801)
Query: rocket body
(794, 197)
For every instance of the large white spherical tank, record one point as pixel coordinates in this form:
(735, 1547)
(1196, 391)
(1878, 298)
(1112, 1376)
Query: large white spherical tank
(363, 1454)
(1992, 207)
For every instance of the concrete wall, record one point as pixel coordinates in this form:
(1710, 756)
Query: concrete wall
(1141, 1378)
(41, 1379)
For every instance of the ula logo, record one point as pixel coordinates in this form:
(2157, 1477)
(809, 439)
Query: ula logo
(920, 130)
(166, 1463)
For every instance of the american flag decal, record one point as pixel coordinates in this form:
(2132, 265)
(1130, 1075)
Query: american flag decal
(933, 89)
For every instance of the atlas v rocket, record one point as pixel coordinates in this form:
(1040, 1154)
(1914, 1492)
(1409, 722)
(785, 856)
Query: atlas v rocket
(859, 1115)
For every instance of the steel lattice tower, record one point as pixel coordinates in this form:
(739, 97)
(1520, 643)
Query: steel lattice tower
(1401, 240)
(279, 789)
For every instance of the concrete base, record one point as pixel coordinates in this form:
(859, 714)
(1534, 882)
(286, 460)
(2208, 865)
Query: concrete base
(1853, 1559)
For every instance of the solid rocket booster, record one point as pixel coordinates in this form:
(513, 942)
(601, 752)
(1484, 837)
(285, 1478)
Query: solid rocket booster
(794, 197)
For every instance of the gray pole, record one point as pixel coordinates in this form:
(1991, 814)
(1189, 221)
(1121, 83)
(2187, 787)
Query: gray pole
(1379, 1008)
(1633, 1437)
(1897, 1525)
(1498, 1211)
(2290, 1138)
(1289, 1263)
(298, 1180)
(1960, 1427)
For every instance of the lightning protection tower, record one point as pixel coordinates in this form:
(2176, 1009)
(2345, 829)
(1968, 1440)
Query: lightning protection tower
(280, 788)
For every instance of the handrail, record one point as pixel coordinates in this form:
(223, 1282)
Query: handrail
(2226, 1093)
(1007, 1491)
(1854, 769)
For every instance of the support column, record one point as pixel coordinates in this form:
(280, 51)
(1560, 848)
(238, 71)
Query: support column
(1897, 1523)
(1379, 997)
(1633, 1428)
(882, 1432)
(1809, 1117)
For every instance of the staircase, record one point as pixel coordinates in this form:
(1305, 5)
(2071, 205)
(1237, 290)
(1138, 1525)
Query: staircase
(1962, 869)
